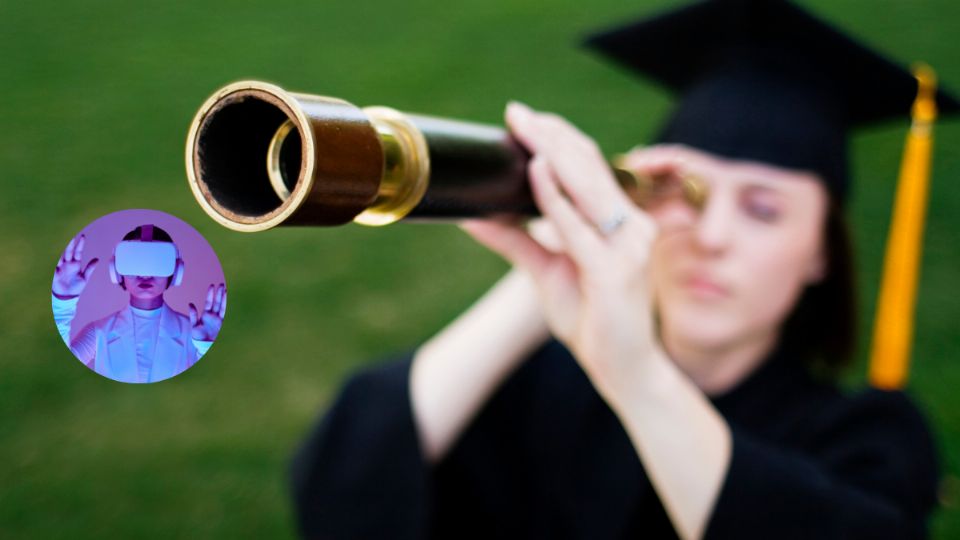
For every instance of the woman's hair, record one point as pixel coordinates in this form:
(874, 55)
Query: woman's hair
(159, 235)
(823, 324)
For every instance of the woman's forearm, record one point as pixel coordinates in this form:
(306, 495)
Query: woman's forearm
(456, 371)
(683, 441)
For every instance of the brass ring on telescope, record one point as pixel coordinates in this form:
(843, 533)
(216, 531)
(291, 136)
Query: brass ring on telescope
(642, 187)
(406, 167)
(695, 190)
(274, 171)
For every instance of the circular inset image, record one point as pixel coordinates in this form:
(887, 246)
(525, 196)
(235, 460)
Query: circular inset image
(138, 296)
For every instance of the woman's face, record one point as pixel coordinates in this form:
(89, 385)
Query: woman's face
(732, 272)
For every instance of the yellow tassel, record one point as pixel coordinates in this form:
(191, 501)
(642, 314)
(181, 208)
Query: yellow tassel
(893, 327)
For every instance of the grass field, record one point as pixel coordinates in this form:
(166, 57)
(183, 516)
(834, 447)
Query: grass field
(96, 100)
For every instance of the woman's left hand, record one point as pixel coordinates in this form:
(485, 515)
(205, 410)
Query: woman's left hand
(594, 280)
(205, 326)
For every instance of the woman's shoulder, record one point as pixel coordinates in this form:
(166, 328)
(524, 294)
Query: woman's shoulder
(790, 398)
(870, 427)
(890, 418)
(854, 409)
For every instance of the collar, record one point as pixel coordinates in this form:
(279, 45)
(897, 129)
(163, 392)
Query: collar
(123, 322)
(778, 374)
(147, 313)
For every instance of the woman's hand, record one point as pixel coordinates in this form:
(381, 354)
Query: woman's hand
(594, 284)
(205, 326)
(593, 278)
(71, 277)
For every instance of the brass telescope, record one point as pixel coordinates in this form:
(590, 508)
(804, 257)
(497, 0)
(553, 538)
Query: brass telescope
(258, 156)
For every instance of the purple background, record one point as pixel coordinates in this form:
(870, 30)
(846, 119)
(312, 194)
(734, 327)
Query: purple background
(101, 297)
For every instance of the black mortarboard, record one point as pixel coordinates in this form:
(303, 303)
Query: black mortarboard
(766, 81)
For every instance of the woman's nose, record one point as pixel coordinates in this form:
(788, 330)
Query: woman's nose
(715, 225)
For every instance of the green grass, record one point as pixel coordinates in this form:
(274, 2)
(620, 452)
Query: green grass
(96, 102)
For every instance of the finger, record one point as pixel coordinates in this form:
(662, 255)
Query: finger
(657, 160)
(209, 302)
(88, 271)
(518, 118)
(68, 253)
(510, 242)
(193, 315)
(223, 305)
(582, 242)
(584, 173)
(218, 299)
(78, 249)
(577, 162)
(669, 167)
(545, 234)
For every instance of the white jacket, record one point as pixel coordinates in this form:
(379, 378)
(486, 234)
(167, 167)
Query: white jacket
(109, 343)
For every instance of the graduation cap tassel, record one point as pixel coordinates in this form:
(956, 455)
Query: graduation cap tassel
(893, 327)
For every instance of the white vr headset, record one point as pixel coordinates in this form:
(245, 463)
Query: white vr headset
(137, 258)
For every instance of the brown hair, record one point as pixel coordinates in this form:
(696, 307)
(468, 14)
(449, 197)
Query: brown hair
(823, 326)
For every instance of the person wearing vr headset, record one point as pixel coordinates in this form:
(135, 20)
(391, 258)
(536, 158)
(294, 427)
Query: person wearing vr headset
(147, 341)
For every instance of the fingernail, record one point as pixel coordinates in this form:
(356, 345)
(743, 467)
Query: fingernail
(518, 110)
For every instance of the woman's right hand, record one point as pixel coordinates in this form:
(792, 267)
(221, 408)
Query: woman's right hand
(71, 277)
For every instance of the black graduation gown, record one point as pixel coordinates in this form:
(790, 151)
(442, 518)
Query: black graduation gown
(547, 458)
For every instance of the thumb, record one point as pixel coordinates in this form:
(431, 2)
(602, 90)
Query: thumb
(510, 242)
(193, 315)
(88, 271)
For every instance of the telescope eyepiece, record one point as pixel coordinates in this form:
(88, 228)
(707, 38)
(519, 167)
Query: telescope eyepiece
(326, 169)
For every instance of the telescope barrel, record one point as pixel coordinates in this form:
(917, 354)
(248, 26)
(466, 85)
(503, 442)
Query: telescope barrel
(258, 156)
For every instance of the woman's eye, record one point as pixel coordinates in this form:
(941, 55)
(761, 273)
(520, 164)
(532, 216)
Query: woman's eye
(763, 212)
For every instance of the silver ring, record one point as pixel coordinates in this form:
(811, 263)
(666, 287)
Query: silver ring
(611, 225)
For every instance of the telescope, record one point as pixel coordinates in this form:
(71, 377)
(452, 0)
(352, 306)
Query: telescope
(258, 156)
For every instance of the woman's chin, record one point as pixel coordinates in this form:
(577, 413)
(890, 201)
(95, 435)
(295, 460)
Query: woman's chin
(700, 328)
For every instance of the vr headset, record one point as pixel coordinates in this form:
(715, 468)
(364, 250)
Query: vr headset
(146, 258)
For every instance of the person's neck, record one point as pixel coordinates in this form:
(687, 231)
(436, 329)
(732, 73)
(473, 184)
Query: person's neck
(150, 303)
(717, 369)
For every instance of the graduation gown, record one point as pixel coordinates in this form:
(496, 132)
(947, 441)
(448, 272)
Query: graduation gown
(547, 458)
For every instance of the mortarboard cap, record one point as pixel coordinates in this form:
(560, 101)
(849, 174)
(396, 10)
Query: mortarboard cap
(764, 80)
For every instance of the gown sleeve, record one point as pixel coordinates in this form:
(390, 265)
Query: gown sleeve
(361, 472)
(870, 473)
(84, 345)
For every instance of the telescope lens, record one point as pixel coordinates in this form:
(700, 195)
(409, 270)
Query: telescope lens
(229, 159)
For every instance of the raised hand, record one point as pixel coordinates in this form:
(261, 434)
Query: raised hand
(205, 326)
(594, 280)
(71, 277)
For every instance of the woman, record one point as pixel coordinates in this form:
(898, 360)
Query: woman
(145, 341)
(678, 397)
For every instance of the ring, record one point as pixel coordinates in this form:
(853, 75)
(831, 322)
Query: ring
(610, 226)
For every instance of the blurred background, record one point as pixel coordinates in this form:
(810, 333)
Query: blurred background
(96, 101)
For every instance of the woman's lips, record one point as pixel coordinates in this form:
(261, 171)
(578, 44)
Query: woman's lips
(145, 285)
(705, 287)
